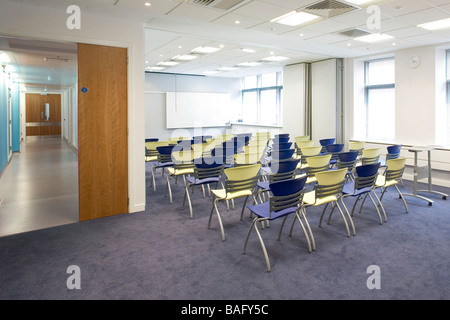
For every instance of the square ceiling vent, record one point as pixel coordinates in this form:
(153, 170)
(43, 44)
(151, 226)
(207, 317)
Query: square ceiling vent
(330, 8)
(219, 4)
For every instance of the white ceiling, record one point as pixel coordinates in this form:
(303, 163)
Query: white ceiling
(174, 27)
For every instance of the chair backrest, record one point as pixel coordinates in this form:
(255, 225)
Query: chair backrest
(286, 194)
(165, 153)
(241, 178)
(356, 146)
(334, 150)
(282, 135)
(371, 155)
(282, 170)
(393, 151)
(226, 154)
(284, 145)
(327, 142)
(151, 140)
(347, 160)
(280, 140)
(247, 158)
(304, 143)
(311, 151)
(302, 138)
(395, 169)
(208, 168)
(330, 183)
(282, 154)
(366, 175)
(317, 164)
(183, 159)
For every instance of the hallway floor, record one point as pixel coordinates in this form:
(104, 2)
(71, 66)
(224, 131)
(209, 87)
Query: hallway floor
(39, 188)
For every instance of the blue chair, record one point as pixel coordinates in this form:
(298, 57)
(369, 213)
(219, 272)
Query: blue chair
(280, 140)
(393, 152)
(286, 199)
(348, 160)
(278, 170)
(326, 142)
(282, 136)
(284, 145)
(225, 153)
(282, 154)
(207, 171)
(334, 150)
(152, 140)
(164, 161)
(363, 186)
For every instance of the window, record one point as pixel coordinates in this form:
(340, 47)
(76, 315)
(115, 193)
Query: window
(379, 93)
(261, 99)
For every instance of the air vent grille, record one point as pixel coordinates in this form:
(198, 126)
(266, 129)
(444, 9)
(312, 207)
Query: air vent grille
(353, 33)
(219, 4)
(329, 8)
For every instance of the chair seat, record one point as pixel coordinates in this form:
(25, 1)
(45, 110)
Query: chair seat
(349, 188)
(164, 164)
(310, 199)
(263, 185)
(177, 172)
(193, 180)
(263, 211)
(222, 194)
(151, 159)
(381, 182)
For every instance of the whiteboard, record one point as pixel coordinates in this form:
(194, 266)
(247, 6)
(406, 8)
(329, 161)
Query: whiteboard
(196, 109)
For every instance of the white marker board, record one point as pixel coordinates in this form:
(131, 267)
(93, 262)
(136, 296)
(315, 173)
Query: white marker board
(195, 109)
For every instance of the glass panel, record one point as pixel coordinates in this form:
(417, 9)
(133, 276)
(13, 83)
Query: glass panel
(381, 114)
(269, 80)
(269, 107)
(250, 82)
(250, 107)
(381, 72)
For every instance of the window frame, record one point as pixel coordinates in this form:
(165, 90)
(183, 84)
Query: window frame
(368, 88)
(259, 89)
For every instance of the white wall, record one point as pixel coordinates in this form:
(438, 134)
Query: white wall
(49, 23)
(294, 100)
(419, 99)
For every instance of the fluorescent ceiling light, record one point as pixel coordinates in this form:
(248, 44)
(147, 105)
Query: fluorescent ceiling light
(168, 63)
(155, 68)
(275, 58)
(205, 50)
(227, 68)
(247, 50)
(249, 64)
(375, 37)
(4, 57)
(436, 25)
(295, 18)
(185, 57)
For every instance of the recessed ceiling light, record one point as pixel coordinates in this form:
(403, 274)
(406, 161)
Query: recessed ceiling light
(275, 58)
(155, 68)
(205, 50)
(374, 37)
(237, 22)
(247, 50)
(295, 18)
(168, 63)
(227, 68)
(185, 57)
(249, 64)
(147, 4)
(436, 25)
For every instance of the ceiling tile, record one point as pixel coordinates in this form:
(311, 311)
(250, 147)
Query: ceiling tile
(231, 19)
(194, 12)
(262, 10)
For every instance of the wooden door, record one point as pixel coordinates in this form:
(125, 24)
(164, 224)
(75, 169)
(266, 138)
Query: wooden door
(102, 131)
(37, 124)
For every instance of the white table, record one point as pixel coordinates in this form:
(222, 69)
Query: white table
(422, 173)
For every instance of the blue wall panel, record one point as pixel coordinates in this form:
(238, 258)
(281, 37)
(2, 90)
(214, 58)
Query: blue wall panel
(15, 117)
(3, 121)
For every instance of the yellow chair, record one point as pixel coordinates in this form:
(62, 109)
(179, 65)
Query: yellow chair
(316, 164)
(247, 158)
(183, 164)
(370, 156)
(306, 153)
(299, 144)
(240, 182)
(356, 146)
(328, 189)
(391, 177)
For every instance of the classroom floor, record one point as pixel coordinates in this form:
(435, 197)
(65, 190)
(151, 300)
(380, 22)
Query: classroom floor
(39, 188)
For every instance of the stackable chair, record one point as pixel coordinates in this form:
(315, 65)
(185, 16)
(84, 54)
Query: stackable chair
(326, 142)
(183, 164)
(334, 150)
(151, 140)
(328, 190)
(299, 144)
(164, 161)
(363, 186)
(240, 182)
(356, 146)
(316, 164)
(286, 199)
(279, 170)
(246, 158)
(348, 160)
(371, 155)
(207, 171)
(306, 153)
(393, 152)
(391, 177)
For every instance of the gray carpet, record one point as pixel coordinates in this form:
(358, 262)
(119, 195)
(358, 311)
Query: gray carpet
(161, 254)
